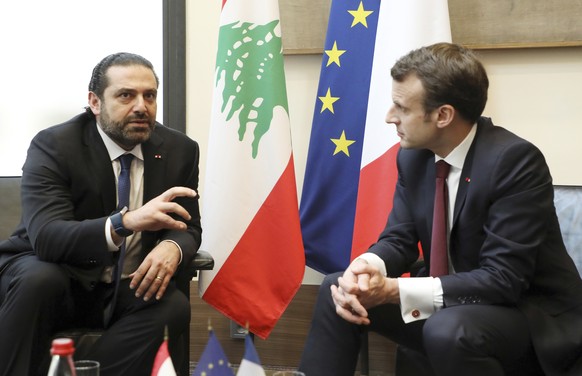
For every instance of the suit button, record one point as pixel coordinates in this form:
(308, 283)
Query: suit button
(415, 313)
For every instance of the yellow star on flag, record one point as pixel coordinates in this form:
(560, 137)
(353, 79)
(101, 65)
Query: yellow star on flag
(341, 144)
(334, 55)
(360, 15)
(328, 101)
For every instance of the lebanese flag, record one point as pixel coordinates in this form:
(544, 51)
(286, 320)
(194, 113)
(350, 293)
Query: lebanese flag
(351, 165)
(250, 210)
(163, 363)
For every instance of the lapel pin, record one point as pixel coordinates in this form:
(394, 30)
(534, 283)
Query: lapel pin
(158, 156)
(468, 179)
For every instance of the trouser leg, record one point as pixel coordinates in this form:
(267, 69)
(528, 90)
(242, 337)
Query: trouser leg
(479, 340)
(34, 296)
(129, 345)
(332, 343)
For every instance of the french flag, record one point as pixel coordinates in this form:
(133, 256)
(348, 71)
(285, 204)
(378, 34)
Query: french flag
(351, 172)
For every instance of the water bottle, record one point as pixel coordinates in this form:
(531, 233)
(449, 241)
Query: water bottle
(62, 351)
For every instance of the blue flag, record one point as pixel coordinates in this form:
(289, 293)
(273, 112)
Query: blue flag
(351, 164)
(213, 361)
(330, 188)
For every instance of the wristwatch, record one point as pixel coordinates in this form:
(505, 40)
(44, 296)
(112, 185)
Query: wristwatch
(117, 223)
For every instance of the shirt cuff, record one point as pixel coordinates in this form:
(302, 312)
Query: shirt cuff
(374, 260)
(420, 297)
(111, 246)
(179, 249)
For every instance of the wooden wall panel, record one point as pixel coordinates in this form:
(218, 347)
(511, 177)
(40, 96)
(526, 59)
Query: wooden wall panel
(478, 24)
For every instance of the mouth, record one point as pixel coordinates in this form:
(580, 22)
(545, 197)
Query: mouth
(138, 123)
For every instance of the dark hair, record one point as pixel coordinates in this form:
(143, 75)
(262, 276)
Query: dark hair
(450, 74)
(99, 81)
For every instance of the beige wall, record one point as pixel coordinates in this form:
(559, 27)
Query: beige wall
(537, 93)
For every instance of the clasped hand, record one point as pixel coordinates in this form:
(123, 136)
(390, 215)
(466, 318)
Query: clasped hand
(155, 272)
(362, 286)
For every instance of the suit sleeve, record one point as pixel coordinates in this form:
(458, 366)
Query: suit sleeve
(189, 240)
(49, 210)
(397, 245)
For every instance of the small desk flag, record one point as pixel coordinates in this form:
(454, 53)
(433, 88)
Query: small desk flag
(213, 361)
(251, 364)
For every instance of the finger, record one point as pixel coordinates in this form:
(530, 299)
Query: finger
(139, 274)
(358, 309)
(163, 286)
(174, 192)
(146, 283)
(350, 316)
(154, 286)
(337, 296)
(178, 209)
(349, 286)
(364, 282)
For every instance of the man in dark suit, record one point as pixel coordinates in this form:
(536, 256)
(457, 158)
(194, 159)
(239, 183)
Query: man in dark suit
(59, 268)
(511, 300)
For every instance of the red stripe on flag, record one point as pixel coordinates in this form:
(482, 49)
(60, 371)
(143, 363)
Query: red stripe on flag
(264, 271)
(375, 193)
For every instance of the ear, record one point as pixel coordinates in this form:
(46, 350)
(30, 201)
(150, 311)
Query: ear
(445, 115)
(94, 103)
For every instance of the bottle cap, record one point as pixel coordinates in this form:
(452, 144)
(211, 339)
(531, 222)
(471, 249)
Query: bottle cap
(62, 346)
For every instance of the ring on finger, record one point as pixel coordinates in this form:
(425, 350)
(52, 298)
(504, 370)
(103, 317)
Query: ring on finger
(159, 278)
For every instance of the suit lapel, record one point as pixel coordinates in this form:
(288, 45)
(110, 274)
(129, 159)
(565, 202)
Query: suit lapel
(465, 179)
(154, 156)
(429, 196)
(101, 166)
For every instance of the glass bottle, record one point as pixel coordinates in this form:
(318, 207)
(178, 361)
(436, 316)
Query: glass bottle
(62, 350)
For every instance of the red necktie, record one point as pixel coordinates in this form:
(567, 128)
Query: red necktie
(439, 260)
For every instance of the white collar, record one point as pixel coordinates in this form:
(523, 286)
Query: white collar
(456, 158)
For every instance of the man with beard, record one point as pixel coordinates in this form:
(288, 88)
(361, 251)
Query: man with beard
(83, 255)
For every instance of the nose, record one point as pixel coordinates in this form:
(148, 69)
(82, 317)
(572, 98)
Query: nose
(391, 117)
(139, 104)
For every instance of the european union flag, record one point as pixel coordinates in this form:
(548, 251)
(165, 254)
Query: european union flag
(213, 361)
(330, 190)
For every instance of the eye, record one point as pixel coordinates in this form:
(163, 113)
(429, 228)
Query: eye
(398, 107)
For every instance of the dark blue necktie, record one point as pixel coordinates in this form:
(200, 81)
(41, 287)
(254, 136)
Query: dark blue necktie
(123, 183)
(123, 188)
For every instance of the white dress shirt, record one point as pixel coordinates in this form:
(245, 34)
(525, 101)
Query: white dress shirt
(131, 261)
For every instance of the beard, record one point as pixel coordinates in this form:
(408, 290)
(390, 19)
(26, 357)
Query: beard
(122, 133)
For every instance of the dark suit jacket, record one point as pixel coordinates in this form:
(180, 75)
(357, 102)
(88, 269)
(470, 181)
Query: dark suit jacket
(68, 191)
(505, 242)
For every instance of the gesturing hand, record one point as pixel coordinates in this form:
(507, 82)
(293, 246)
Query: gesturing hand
(154, 215)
